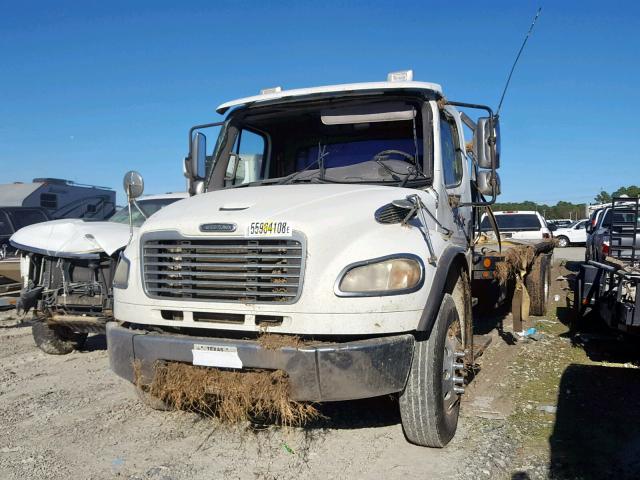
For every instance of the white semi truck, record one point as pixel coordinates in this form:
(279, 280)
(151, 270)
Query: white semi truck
(345, 215)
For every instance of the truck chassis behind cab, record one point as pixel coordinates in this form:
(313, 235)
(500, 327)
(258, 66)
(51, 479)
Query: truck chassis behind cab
(344, 215)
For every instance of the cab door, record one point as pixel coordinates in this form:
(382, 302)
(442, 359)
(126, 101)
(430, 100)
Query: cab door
(455, 178)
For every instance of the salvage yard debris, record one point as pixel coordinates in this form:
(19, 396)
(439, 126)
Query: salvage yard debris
(230, 396)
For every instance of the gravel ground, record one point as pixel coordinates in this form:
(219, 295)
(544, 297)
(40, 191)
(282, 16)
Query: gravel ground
(64, 416)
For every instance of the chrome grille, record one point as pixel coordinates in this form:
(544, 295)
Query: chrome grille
(228, 270)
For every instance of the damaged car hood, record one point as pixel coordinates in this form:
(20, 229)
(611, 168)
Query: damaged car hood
(72, 238)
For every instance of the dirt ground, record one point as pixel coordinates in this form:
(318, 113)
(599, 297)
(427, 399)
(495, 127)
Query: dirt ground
(556, 407)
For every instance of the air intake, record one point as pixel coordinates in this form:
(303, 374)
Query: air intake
(389, 214)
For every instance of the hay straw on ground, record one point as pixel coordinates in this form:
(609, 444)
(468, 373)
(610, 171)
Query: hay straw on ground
(230, 396)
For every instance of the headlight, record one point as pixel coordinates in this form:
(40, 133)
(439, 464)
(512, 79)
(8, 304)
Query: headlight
(381, 276)
(121, 277)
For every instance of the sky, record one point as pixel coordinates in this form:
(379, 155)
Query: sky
(89, 90)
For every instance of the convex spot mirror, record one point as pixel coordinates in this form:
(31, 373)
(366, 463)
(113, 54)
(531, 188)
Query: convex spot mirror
(133, 184)
(485, 181)
(486, 139)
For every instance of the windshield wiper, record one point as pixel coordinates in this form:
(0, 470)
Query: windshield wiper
(322, 153)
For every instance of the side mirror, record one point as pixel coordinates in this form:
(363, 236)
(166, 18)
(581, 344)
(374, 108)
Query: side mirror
(133, 184)
(552, 227)
(486, 181)
(198, 156)
(486, 142)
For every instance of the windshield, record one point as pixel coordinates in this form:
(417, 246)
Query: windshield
(515, 221)
(364, 142)
(149, 207)
(628, 218)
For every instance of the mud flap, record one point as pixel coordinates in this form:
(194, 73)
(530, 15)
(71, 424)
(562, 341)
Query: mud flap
(520, 305)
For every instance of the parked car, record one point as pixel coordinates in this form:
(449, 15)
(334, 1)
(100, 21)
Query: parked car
(592, 225)
(13, 219)
(574, 234)
(67, 271)
(519, 225)
(600, 240)
(560, 222)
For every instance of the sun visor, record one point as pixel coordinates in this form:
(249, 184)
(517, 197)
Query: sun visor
(388, 112)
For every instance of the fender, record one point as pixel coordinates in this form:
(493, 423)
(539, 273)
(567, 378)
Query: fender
(436, 293)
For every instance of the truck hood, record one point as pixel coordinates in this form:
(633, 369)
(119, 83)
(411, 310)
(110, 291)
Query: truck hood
(306, 208)
(72, 237)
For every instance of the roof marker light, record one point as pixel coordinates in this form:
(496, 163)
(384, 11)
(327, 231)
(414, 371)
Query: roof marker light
(400, 76)
(265, 91)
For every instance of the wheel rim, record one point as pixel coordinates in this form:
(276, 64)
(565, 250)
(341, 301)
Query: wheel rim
(562, 242)
(452, 373)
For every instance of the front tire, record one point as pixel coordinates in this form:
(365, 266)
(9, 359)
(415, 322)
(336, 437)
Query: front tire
(430, 404)
(55, 339)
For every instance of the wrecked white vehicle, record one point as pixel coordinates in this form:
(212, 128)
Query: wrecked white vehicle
(67, 270)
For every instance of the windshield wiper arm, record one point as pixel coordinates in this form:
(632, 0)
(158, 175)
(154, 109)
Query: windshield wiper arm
(322, 153)
(292, 176)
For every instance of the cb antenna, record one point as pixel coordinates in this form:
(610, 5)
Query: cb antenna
(513, 67)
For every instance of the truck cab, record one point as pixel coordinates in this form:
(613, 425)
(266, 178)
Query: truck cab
(344, 215)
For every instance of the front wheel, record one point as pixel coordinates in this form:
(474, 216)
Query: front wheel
(430, 402)
(563, 242)
(55, 339)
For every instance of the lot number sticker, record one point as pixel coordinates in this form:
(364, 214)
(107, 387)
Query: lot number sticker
(269, 229)
(216, 356)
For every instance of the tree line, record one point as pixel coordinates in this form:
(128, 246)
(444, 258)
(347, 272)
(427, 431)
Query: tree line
(575, 211)
(630, 191)
(563, 209)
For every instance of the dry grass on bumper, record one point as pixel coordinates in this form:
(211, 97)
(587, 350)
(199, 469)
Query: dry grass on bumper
(230, 396)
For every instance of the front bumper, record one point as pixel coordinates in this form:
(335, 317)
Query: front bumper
(322, 372)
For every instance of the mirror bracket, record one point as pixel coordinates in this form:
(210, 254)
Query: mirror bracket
(492, 142)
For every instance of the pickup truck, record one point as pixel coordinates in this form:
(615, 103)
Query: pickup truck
(608, 281)
(345, 215)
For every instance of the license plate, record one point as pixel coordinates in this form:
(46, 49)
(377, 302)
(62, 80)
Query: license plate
(216, 356)
(269, 229)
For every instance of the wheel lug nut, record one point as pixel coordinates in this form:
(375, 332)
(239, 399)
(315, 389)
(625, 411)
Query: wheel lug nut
(458, 390)
(459, 380)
